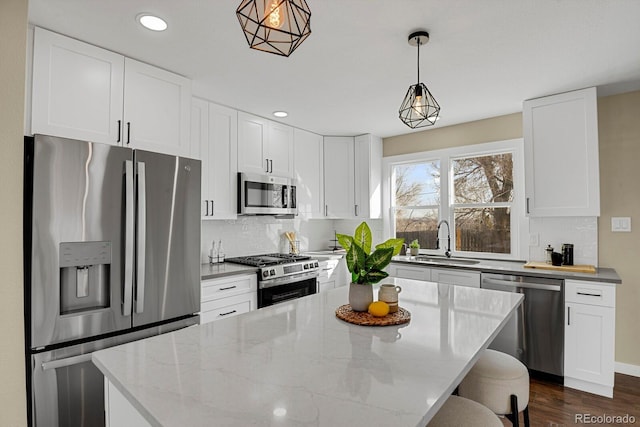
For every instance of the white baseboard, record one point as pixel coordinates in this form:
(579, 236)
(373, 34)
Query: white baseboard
(628, 369)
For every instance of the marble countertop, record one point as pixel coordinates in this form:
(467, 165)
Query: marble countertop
(607, 275)
(296, 364)
(213, 271)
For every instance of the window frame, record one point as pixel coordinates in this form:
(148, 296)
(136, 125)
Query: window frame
(519, 221)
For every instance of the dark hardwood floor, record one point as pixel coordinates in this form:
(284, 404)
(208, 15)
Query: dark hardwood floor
(552, 405)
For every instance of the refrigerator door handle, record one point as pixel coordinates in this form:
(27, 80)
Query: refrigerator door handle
(141, 237)
(67, 361)
(127, 292)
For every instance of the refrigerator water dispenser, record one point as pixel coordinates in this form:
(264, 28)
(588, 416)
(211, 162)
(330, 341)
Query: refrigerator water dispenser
(84, 276)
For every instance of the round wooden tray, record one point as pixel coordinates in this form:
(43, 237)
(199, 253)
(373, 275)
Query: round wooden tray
(346, 313)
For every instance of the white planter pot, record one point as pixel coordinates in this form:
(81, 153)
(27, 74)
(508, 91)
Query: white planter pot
(360, 296)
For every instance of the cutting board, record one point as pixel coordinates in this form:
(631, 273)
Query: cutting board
(567, 268)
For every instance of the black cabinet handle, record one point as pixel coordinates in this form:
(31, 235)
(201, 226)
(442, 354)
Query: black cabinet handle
(128, 132)
(119, 130)
(227, 288)
(227, 313)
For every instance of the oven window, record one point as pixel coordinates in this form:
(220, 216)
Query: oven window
(282, 293)
(263, 195)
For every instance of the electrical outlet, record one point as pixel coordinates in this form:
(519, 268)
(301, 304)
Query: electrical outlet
(534, 239)
(621, 224)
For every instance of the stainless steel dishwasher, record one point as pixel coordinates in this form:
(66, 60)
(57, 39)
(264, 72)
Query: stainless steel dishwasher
(535, 334)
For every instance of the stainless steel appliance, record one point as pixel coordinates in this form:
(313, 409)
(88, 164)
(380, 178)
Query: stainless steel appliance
(282, 277)
(266, 195)
(112, 254)
(535, 334)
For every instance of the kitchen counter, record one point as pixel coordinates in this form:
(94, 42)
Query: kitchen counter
(607, 275)
(296, 363)
(214, 271)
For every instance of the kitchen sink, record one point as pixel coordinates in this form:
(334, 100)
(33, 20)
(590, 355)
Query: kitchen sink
(443, 260)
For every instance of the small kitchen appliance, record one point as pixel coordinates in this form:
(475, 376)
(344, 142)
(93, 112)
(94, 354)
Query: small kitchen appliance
(282, 277)
(567, 254)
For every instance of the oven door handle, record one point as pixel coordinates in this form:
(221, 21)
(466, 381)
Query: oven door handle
(287, 279)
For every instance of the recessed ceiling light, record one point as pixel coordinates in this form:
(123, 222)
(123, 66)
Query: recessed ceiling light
(152, 22)
(280, 114)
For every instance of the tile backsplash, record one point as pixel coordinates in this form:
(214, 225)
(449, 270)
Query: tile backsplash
(554, 231)
(253, 235)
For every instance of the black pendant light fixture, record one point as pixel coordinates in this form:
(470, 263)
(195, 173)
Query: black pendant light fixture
(419, 108)
(275, 26)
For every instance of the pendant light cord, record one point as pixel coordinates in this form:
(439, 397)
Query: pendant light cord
(418, 41)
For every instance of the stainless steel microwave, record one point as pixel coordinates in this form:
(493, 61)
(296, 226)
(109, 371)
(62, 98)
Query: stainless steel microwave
(266, 195)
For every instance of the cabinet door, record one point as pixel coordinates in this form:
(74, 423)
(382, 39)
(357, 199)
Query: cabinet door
(339, 177)
(222, 161)
(227, 307)
(368, 176)
(309, 173)
(156, 109)
(452, 276)
(561, 154)
(279, 150)
(200, 150)
(77, 89)
(405, 271)
(252, 132)
(589, 344)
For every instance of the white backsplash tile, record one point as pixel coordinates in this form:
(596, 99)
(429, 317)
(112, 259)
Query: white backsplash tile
(253, 235)
(581, 231)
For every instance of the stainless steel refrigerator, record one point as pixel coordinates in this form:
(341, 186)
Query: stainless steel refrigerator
(112, 255)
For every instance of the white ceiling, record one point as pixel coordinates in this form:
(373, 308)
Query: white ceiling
(350, 76)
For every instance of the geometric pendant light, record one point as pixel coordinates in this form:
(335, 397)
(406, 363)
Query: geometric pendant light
(419, 108)
(275, 26)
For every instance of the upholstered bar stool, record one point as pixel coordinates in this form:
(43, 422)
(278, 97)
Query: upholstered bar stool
(460, 412)
(501, 383)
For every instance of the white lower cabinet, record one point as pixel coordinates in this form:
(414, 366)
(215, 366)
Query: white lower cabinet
(228, 296)
(119, 411)
(589, 351)
(453, 276)
(406, 271)
(333, 274)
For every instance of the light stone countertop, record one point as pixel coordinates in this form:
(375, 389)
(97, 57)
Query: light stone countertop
(297, 364)
(223, 269)
(607, 275)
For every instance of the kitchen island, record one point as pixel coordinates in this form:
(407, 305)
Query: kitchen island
(296, 364)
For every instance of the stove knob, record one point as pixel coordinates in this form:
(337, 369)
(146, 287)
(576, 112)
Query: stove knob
(306, 266)
(272, 272)
(265, 273)
(316, 264)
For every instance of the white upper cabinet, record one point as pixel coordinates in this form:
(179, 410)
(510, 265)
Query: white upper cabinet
(156, 109)
(353, 176)
(280, 149)
(214, 133)
(84, 92)
(561, 154)
(339, 177)
(368, 176)
(309, 173)
(264, 146)
(77, 89)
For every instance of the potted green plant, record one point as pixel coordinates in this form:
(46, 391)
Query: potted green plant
(366, 267)
(414, 247)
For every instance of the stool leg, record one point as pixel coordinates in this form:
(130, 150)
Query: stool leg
(513, 416)
(526, 416)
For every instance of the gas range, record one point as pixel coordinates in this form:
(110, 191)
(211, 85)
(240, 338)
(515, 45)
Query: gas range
(279, 269)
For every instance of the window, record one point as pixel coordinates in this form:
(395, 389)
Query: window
(417, 201)
(474, 188)
(483, 195)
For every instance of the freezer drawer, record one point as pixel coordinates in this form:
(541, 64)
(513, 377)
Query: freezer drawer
(67, 390)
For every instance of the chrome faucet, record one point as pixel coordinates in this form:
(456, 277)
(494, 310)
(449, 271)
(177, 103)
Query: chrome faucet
(448, 251)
